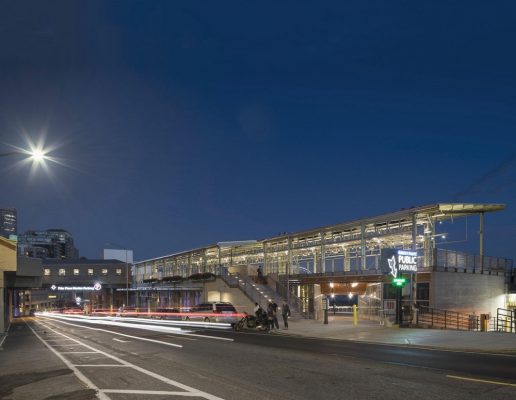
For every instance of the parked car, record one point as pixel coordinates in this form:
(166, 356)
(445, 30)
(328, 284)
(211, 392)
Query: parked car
(213, 312)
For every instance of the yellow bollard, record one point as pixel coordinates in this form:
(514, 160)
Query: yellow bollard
(355, 315)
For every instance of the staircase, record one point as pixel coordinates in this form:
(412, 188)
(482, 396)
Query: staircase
(260, 293)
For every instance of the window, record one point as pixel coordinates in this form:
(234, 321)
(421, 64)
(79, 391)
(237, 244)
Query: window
(76, 271)
(104, 271)
(46, 271)
(119, 271)
(62, 272)
(90, 271)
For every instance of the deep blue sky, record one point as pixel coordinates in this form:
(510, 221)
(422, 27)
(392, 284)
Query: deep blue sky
(184, 123)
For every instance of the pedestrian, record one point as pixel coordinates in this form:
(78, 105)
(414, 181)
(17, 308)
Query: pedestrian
(285, 313)
(258, 312)
(260, 273)
(275, 315)
(270, 316)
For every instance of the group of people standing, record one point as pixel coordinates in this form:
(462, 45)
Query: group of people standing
(271, 314)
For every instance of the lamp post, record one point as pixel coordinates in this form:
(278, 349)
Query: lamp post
(37, 155)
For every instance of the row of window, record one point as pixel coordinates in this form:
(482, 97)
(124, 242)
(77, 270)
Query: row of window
(76, 272)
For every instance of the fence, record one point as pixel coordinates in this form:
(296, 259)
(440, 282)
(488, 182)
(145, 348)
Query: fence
(505, 320)
(444, 319)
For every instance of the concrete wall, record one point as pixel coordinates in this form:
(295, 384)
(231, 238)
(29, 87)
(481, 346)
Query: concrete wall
(467, 293)
(219, 291)
(7, 264)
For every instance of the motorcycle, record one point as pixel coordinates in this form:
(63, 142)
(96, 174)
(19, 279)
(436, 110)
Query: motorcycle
(258, 322)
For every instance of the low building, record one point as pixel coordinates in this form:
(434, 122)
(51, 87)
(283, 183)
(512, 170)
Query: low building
(83, 284)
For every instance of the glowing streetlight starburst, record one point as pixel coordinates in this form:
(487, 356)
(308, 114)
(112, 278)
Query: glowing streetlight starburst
(37, 155)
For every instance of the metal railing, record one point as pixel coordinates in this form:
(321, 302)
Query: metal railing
(505, 320)
(445, 319)
(470, 262)
(249, 288)
(294, 302)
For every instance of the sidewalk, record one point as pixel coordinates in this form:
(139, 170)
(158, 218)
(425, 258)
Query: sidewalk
(342, 328)
(31, 371)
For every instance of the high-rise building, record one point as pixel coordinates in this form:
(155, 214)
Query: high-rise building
(52, 243)
(8, 222)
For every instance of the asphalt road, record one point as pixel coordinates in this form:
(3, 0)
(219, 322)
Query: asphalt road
(132, 363)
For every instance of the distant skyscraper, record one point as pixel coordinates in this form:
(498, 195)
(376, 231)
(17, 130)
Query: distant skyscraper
(52, 243)
(8, 222)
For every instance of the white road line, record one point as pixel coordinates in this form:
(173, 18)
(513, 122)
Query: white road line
(463, 378)
(180, 337)
(78, 373)
(77, 352)
(122, 341)
(101, 365)
(161, 378)
(116, 333)
(64, 345)
(159, 392)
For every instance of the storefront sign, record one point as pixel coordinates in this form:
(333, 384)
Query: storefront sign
(96, 286)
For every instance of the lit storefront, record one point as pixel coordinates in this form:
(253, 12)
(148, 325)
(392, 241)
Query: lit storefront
(82, 284)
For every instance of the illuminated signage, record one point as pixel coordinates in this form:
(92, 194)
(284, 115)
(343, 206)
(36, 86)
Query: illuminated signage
(96, 286)
(399, 261)
(399, 282)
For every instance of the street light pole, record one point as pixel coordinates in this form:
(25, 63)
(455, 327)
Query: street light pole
(126, 280)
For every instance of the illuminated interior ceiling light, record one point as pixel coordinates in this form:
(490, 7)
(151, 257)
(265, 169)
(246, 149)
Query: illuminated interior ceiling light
(333, 295)
(350, 295)
(354, 284)
(331, 284)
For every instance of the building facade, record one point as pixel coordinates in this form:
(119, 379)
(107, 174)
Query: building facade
(8, 222)
(86, 285)
(51, 243)
(350, 259)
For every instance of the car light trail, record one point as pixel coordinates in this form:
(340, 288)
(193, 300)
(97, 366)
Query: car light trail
(155, 326)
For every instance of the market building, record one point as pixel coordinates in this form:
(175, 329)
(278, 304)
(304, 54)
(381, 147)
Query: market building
(358, 259)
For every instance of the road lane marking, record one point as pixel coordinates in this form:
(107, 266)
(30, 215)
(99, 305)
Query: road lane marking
(89, 384)
(101, 365)
(122, 341)
(120, 334)
(158, 392)
(179, 337)
(192, 391)
(77, 352)
(463, 378)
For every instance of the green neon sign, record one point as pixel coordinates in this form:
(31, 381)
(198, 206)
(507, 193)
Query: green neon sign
(399, 282)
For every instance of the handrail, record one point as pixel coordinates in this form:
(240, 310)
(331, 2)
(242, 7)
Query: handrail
(281, 288)
(446, 319)
(505, 320)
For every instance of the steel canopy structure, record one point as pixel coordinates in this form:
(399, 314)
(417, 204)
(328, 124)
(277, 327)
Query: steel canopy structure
(349, 248)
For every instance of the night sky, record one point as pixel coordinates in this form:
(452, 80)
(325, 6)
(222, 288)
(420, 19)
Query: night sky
(178, 124)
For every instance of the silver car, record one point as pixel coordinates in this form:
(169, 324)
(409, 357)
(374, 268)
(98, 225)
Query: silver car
(213, 312)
